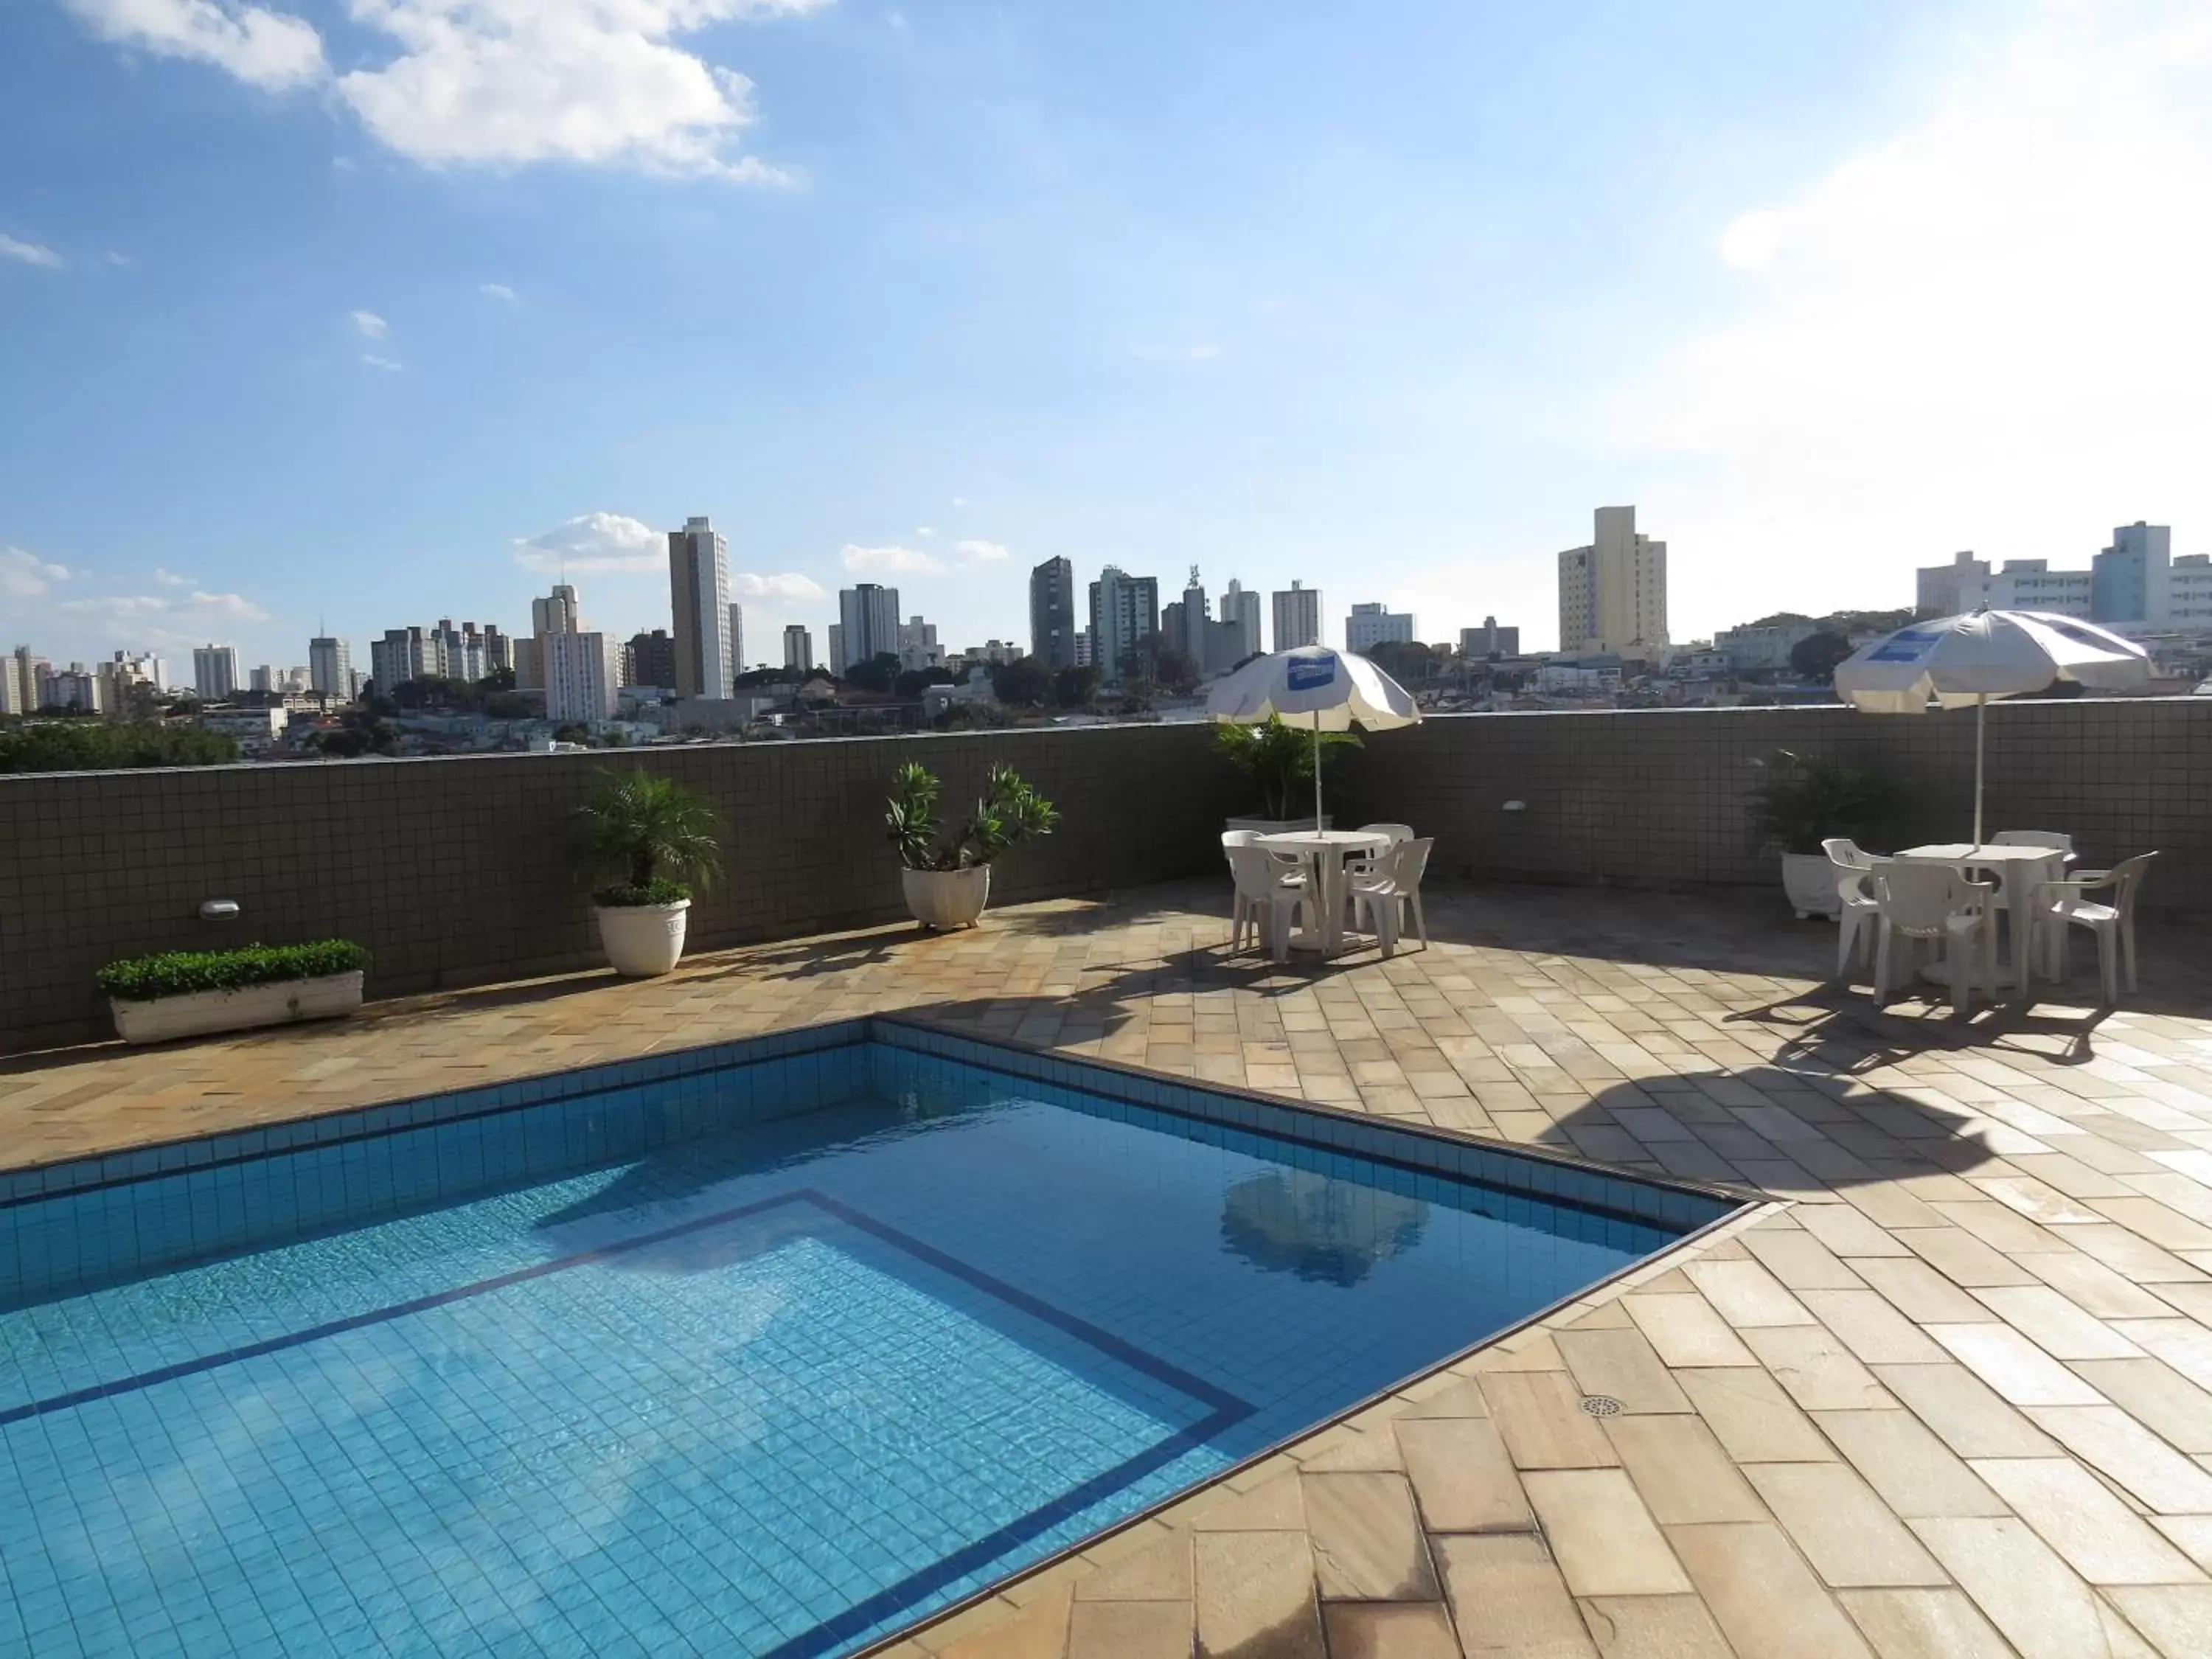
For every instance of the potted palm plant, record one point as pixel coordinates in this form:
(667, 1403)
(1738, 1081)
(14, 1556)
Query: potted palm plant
(652, 836)
(1278, 759)
(1801, 802)
(947, 879)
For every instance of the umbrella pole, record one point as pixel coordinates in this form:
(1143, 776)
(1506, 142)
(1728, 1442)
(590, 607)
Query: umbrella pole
(1317, 818)
(1981, 730)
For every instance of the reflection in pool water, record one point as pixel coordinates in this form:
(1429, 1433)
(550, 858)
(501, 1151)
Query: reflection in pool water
(1296, 1221)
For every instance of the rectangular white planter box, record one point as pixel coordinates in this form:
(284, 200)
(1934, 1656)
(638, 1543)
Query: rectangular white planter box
(198, 1012)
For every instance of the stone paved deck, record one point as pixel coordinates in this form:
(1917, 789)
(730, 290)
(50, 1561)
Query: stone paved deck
(1951, 1394)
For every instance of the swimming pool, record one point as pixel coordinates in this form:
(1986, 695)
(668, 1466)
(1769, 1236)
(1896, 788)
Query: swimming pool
(770, 1348)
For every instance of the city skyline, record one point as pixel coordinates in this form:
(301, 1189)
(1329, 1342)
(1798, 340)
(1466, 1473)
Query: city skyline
(933, 368)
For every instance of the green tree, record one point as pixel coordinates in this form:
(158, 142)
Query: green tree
(1074, 687)
(1816, 656)
(1022, 683)
(914, 681)
(879, 673)
(95, 746)
(1176, 670)
(1278, 759)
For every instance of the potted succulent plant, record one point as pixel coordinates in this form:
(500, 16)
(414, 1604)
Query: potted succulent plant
(652, 835)
(1801, 802)
(947, 879)
(1278, 759)
(189, 993)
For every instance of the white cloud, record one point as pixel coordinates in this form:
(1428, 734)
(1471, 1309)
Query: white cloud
(167, 623)
(924, 532)
(384, 363)
(119, 260)
(170, 579)
(266, 48)
(784, 587)
(371, 327)
(30, 253)
(594, 542)
(1986, 331)
(26, 576)
(499, 291)
(594, 82)
(980, 552)
(889, 560)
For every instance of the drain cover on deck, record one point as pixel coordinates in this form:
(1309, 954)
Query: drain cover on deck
(1600, 1405)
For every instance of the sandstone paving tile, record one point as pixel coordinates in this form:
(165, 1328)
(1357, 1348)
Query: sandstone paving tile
(1752, 1416)
(1543, 1425)
(1351, 1446)
(2160, 1224)
(2055, 1324)
(2189, 1534)
(1965, 1412)
(1963, 1259)
(1130, 1629)
(2002, 1227)
(1799, 1260)
(2107, 1439)
(2074, 1513)
(2183, 1344)
(2156, 1395)
(1684, 1330)
(1367, 1542)
(1153, 1565)
(1923, 1295)
(1762, 1594)
(1604, 1538)
(2175, 1619)
(1904, 1461)
(1654, 1627)
(2192, 1298)
(1812, 1362)
(2019, 1370)
(1872, 1328)
(1256, 1596)
(1507, 1599)
(1681, 1471)
(2038, 1200)
(1276, 1504)
(1847, 1231)
(1618, 1363)
(1923, 1623)
(2096, 1289)
(1744, 1293)
(1844, 1529)
(1446, 1394)
(1462, 1478)
(2020, 1584)
(2131, 1254)
(1038, 1630)
(1388, 1629)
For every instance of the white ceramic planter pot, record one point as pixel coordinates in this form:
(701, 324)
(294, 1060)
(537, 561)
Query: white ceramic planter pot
(947, 898)
(1280, 826)
(1810, 881)
(643, 940)
(198, 1012)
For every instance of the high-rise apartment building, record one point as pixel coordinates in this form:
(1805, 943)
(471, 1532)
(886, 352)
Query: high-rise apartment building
(19, 685)
(2135, 584)
(652, 660)
(1612, 594)
(737, 641)
(329, 667)
(74, 687)
(1124, 609)
(1052, 614)
(836, 658)
(581, 672)
(867, 626)
(2024, 585)
(262, 680)
(797, 648)
(1297, 617)
(1370, 625)
(699, 594)
(1478, 644)
(1187, 631)
(558, 614)
(1937, 586)
(125, 675)
(917, 646)
(1239, 610)
(2128, 579)
(214, 672)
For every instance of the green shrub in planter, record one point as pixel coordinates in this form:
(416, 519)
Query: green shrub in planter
(179, 973)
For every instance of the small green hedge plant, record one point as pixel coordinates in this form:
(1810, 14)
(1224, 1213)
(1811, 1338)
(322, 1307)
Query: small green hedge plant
(180, 973)
(659, 890)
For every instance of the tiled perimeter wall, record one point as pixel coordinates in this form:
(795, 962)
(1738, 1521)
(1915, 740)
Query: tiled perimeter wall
(1658, 800)
(455, 871)
(452, 871)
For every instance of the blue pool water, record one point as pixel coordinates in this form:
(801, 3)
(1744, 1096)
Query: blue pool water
(775, 1389)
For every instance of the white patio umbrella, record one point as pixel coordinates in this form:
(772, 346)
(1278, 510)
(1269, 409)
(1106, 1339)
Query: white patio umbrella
(1953, 661)
(1312, 685)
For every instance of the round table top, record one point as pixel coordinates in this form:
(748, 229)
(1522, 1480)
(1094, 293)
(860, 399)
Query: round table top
(1999, 852)
(1308, 840)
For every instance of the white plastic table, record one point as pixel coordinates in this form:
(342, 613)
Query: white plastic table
(2019, 870)
(1324, 851)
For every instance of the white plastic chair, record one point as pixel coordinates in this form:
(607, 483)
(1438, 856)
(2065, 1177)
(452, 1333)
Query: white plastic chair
(1397, 832)
(2060, 907)
(1266, 899)
(1368, 867)
(1382, 895)
(1856, 921)
(1935, 903)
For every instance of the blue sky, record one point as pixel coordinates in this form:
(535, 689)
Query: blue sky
(372, 310)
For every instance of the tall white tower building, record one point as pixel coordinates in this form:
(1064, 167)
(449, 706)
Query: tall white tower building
(699, 599)
(1612, 594)
(1297, 617)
